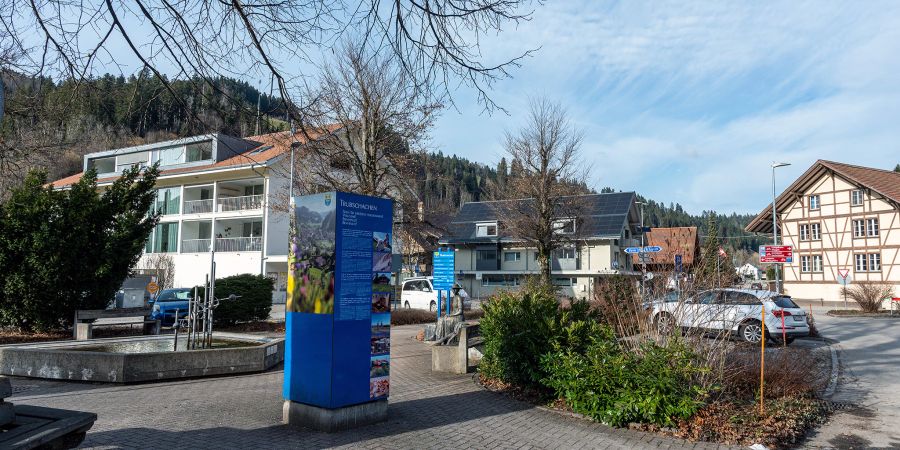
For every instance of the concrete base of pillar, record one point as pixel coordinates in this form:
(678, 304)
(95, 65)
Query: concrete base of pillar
(332, 420)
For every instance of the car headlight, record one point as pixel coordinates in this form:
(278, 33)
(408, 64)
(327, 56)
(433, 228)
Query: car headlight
(156, 307)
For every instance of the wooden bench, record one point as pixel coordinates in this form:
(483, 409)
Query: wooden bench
(85, 318)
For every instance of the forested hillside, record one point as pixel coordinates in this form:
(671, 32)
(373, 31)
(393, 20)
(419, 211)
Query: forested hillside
(58, 122)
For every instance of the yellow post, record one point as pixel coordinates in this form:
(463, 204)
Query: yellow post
(762, 363)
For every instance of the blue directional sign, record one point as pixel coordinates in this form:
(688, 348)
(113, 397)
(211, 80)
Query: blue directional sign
(652, 249)
(678, 265)
(444, 270)
(632, 249)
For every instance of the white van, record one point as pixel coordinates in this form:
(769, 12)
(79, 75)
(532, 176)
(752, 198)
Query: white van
(418, 293)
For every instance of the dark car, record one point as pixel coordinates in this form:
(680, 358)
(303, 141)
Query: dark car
(168, 302)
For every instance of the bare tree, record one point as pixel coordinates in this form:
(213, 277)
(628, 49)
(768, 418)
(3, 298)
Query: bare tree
(547, 150)
(160, 265)
(435, 42)
(379, 119)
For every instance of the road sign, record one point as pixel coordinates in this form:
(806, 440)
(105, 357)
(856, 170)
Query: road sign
(776, 253)
(678, 265)
(152, 288)
(632, 249)
(444, 270)
(844, 277)
(645, 258)
(652, 249)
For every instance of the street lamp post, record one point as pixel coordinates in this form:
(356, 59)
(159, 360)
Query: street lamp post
(641, 254)
(776, 165)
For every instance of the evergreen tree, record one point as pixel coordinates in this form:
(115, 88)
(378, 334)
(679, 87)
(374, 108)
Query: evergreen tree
(66, 250)
(502, 174)
(709, 254)
(897, 168)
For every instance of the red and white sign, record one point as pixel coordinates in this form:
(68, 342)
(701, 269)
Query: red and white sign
(843, 272)
(776, 254)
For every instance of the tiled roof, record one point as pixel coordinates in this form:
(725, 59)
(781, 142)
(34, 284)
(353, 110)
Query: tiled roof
(269, 147)
(884, 182)
(674, 241)
(601, 216)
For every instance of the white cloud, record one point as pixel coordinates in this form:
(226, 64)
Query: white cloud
(691, 102)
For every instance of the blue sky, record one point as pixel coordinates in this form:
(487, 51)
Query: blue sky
(690, 102)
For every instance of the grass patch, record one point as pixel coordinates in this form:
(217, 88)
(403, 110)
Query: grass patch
(858, 313)
(15, 337)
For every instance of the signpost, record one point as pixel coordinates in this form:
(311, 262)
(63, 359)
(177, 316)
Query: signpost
(153, 289)
(679, 267)
(776, 253)
(444, 276)
(337, 343)
(844, 279)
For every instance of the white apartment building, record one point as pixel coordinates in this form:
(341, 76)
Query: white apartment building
(837, 217)
(214, 192)
(488, 258)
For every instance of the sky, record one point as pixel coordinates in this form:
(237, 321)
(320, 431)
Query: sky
(691, 102)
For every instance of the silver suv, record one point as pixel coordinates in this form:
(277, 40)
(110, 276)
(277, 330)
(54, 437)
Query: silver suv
(737, 311)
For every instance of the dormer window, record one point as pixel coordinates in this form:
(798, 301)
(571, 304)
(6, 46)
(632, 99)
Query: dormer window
(488, 229)
(564, 226)
(198, 151)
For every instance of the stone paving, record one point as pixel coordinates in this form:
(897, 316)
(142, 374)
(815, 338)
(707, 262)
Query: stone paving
(426, 411)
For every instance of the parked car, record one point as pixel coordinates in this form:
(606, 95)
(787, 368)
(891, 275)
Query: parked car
(737, 311)
(168, 302)
(418, 293)
(667, 297)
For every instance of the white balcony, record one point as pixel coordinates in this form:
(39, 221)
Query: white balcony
(196, 245)
(241, 203)
(198, 206)
(239, 244)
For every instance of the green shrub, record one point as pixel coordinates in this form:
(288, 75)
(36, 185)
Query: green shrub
(254, 302)
(613, 385)
(518, 328)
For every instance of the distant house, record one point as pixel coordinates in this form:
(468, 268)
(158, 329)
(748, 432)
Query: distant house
(488, 258)
(749, 272)
(838, 217)
(675, 241)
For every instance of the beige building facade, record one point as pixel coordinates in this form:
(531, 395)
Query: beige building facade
(838, 217)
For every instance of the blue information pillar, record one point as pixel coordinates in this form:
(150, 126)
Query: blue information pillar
(444, 276)
(337, 349)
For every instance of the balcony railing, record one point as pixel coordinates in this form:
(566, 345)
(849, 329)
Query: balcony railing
(198, 206)
(239, 244)
(195, 245)
(240, 203)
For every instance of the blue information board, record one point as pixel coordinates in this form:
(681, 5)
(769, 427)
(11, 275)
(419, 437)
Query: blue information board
(444, 274)
(337, 342)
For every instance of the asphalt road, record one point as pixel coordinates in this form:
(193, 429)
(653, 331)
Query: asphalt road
(868, 394)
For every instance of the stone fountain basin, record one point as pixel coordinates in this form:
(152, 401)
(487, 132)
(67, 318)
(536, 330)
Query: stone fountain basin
(139, 358)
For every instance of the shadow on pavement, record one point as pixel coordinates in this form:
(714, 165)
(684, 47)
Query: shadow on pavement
(403, 417)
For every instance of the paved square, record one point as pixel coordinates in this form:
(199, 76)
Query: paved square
(426, 411)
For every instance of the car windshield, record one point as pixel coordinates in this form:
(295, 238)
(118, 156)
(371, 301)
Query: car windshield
(174, 295)
(783, 301)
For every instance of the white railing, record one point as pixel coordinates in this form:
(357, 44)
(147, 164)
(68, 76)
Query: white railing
(195, 245)
(240, 203)
(239, 244)
(198, 206)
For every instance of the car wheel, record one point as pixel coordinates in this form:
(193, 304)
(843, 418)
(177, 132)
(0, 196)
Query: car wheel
(433, 306)
(751, 332)
(665, 323)
(406, 305)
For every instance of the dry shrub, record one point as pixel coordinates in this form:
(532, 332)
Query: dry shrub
(619, 305)
(418, 316)
(868, 294)
(789, 372)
